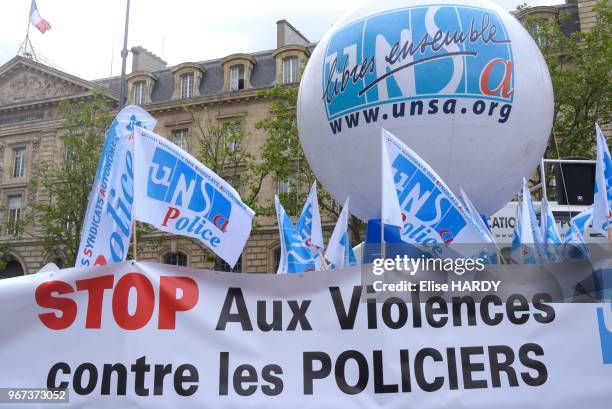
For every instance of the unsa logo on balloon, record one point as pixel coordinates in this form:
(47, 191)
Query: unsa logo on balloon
(470, 57)
(461, 83)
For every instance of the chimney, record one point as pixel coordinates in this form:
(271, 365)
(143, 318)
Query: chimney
(286, 34)
(145, 60)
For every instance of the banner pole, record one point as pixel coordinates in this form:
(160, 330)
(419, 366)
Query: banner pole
(124, 54)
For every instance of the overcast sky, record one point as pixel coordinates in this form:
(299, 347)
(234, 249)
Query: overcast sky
(87, 35)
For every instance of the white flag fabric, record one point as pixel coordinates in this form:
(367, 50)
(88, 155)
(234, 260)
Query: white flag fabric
(550, 233)
(582, 220)
(339, 250)
(177, 194)
(529, 239)
(391, 212)
(548, 226)
(574, 246)
(309, 226)
(517, 256)
(476, 215)
(107, 227)
(491, 253)
(296, 256)
(431, 212)
(602, 204)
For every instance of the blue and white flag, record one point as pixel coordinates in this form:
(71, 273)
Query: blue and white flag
(339, 250)
(490, 253)
(602, 204)
(528, 244)
(549, 230)
(107, 227)
(390, 210)
(295, 254)
(177, 194)
(432, 215)
(516, 255)
(309, 227)
(574, 246)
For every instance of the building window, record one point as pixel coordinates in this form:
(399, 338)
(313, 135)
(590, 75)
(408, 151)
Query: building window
(232, 135)
(14, 213)
(277, 257)
(139, 92)
(176, 259)
(179, 137)
(237, 77)
(19, 158)
(187, 85)
(12, 269)
(221, 265)
(287, 186)
(290, 70)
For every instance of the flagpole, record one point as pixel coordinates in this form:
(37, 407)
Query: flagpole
(28, 29)
(124, 54)
(122, 92)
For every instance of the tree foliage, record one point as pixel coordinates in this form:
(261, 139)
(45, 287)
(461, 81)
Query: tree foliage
(282, 156)
(64, 184)
(579, 66)
(223, 146)
(4, 255)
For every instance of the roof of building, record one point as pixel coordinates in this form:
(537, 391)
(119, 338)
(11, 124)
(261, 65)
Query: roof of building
(263, 75)
(264, 70)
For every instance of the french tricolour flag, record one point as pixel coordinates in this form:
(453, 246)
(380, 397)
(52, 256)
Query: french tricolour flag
(41, 24)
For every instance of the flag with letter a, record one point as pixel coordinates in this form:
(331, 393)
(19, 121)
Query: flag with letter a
(177, 194)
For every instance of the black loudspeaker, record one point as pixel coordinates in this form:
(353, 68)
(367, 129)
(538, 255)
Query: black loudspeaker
(575, 185)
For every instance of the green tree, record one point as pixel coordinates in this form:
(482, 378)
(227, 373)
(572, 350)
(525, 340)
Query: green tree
(64, 184)
(282, 156)
(579, 66)
(4, 255)
(223, 146)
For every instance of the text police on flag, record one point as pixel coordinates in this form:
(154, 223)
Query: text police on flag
(179, 195)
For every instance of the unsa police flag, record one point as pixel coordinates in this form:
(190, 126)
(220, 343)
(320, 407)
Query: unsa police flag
(177, 194)
(107, 227)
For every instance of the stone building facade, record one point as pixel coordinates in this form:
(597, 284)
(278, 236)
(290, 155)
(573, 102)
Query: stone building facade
(30, 131)
(220, 90)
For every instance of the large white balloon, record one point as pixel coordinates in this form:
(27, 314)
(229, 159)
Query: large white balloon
(462, 83)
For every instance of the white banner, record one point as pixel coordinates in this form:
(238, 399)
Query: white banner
(177, 194)
(156, 336)
(107, 228)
